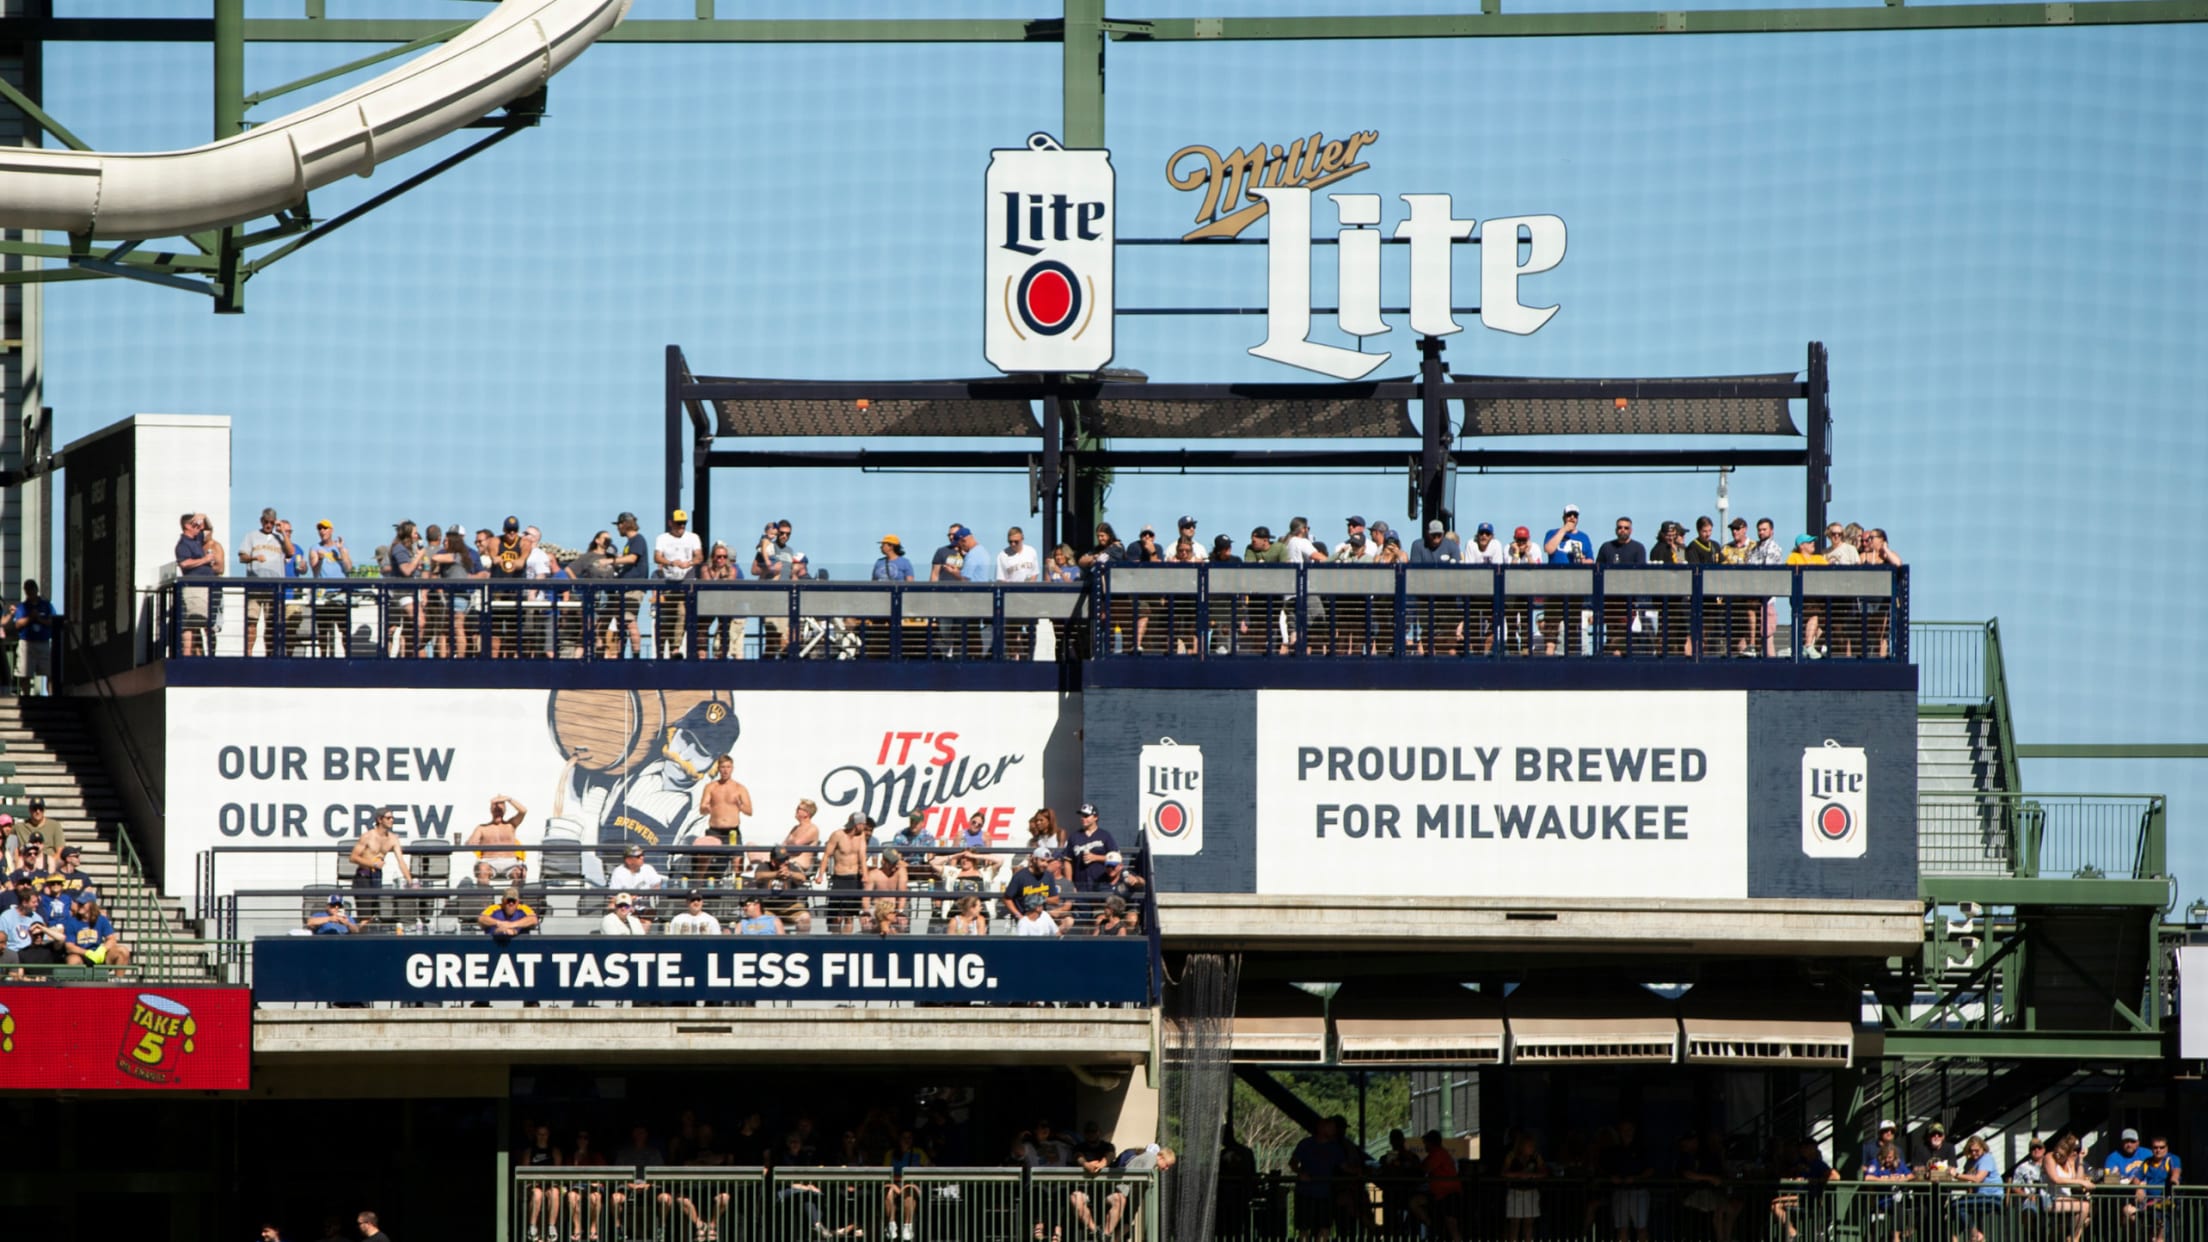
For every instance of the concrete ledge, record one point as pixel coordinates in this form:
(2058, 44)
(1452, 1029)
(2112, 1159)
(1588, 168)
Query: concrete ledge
(1577, 925)
(882, 1036)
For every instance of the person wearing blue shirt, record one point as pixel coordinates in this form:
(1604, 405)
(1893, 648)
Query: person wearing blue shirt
(23, 939)
(1979, 1169)
(33, 625)
(87, 936)
(1567, 544)
(2127, 1160)
(1087, 846)
(892, 566)
(53, 902)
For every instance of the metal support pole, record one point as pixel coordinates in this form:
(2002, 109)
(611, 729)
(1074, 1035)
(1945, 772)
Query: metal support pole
(1819, 485)
(1083, 81)
(1434, 452)
(675, 369)
(229, 48)
(701, 493)
(1054, 448)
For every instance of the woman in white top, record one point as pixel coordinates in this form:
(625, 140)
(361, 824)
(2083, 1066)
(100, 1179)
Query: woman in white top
(621, 920)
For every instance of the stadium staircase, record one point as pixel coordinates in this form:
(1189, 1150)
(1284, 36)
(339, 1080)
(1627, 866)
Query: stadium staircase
(47, 751)
(2043, 916)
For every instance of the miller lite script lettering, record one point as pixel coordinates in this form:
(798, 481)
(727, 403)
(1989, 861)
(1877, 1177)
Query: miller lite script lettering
(1047, 297)
(1835, 801)
(1275, 181)
(1172, 797)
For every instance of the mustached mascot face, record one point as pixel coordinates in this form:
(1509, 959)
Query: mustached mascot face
(656, 805)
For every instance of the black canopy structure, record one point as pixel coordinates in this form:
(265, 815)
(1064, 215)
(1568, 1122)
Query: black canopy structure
(1082, 426)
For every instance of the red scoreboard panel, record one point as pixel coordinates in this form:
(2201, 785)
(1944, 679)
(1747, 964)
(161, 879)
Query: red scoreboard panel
(125, 1039)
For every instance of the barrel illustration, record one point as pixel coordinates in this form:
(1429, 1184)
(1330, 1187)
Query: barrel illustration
(157, 1038)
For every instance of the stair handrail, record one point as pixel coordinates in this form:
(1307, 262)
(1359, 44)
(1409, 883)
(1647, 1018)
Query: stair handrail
(1997, 696)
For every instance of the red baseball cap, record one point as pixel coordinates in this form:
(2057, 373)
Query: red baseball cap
(1521, 533)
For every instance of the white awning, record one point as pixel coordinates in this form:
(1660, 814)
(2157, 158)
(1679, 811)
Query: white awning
(1458, 1040)
(1594, 1038)
(1771, 1041)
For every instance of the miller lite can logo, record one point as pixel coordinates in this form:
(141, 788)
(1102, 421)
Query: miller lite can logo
(1048, 273)
(1835, 801)
(1172, 803)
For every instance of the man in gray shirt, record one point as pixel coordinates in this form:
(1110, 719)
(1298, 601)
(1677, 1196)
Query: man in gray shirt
(264, 554)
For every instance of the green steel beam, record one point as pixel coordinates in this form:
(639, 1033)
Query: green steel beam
(158, 261)
(1682, 21)
(2024, 1045)
(376, 58)
(681, 30)
(1994, 890)
(38, 117)
(1083, 82)
(1217, 29)
(2112, 750)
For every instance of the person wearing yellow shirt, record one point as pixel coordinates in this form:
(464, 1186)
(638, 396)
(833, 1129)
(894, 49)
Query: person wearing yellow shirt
(1813, 613)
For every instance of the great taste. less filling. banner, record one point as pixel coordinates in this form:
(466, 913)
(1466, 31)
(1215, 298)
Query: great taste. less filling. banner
(1497, 794)
(598, 767)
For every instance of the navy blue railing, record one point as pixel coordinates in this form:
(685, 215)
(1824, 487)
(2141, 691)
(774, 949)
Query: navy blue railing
(1190, 611)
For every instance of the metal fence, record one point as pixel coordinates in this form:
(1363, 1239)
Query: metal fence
(1653, 612)
(633, 619)
(1951, 661)
(1199, 611)
(2035, 836)
(1578, 1208)
(793, 1204)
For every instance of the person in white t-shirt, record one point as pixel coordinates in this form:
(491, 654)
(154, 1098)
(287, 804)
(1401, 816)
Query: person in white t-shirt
(676, 555)
(635, 873)
(694, 921)
(1034, 919)
(1019, 561)
(622, 920)
(1301, 551)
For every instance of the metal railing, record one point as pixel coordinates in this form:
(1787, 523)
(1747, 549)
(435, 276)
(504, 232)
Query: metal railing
(1678, 613)
(1952, 664)
(592, 620)
(1655, 612)
(792, 1204)
(2042, 836)
(1582, 1208)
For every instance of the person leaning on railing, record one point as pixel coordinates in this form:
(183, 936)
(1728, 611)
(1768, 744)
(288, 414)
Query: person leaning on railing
(1797, 1208)
(1978, 1168)
(28, 939)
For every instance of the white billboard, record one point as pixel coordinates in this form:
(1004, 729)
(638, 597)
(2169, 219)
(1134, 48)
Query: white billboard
(2192, 1002)
(1503, 794)
(301, 767)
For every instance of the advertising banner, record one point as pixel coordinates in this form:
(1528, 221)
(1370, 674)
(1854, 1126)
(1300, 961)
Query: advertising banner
(1047, 267)
(1835, 801)
(678, 970)
(1173, 797)
(2192, 1002)
(1502, 794)
(310, 767)
(125, 1039)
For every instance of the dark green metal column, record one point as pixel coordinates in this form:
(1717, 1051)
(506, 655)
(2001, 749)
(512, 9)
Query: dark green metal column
(229, 49)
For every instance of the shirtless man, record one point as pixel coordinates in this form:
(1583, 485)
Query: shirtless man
(368, 853)
(890, 880)
(845, 860)
(495, 839)
(724, 802)
(804, 840)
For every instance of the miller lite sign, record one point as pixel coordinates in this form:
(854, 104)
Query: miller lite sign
(1048, 232)
(1172, 803)
(1835, 801)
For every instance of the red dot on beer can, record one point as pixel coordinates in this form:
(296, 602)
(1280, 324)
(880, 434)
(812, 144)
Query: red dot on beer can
(1834, 821)
(1170, 819)
(1049, 297)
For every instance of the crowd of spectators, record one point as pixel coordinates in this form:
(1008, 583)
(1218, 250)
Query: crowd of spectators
(1615, 1183)
(852, 881)
(523, 624)
(807, 1199)
(53, 914)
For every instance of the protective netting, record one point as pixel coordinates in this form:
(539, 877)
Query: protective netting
(1199, 1010)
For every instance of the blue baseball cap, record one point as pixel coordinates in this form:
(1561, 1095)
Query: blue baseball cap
(960, 533)
(1486, 528)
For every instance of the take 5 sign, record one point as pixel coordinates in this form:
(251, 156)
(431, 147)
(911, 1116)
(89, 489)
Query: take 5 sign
(1049, 270)
(105, 1039)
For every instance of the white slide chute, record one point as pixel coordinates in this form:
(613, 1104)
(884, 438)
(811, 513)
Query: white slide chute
(506, 55)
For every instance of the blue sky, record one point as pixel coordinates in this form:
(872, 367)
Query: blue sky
(1996, 233)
